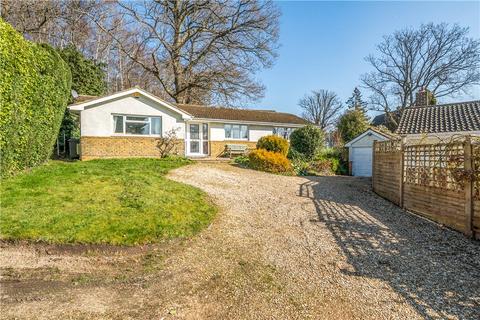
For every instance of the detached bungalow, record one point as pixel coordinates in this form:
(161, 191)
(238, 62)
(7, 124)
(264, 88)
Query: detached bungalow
(129, 123)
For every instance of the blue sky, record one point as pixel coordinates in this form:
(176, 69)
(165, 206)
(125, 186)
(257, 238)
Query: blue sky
(323, 44)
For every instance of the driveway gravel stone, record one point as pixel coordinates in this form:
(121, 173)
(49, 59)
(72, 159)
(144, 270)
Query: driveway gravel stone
(281, 248)
(334, 249)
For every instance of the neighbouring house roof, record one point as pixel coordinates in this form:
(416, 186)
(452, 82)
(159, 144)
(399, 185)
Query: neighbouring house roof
(389, 135)
(371, 131)
(382, 120)
(452, 117)
(196, 111)
(221, 113)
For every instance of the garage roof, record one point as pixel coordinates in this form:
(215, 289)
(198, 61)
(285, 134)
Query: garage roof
(379, 134)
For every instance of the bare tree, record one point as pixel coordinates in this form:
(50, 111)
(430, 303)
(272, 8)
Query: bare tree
(202, 51)
(76, 23)
(57, 22)
(439, 57)
(186, 51)
(321, 107)
(30, 16)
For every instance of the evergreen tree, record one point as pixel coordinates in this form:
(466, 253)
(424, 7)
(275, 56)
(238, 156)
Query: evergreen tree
(352, 123)
(356, 100)
(88, 78)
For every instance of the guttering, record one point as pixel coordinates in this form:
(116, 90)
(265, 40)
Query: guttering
(263, 123)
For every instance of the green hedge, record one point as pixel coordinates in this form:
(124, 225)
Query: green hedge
(34, 91)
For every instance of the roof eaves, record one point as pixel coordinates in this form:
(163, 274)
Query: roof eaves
(361, 135)
(119, 94)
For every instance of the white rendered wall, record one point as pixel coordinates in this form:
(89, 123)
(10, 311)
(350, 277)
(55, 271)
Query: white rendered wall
(97, 121)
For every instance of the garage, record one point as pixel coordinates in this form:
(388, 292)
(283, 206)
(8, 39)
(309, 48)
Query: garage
(360, 152)
(362, 165)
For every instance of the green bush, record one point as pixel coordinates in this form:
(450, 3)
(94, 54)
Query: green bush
(335, 158)
(263, 160)
(301, 167)
(307, 140)
(34, 91)
(273, 143)
(324, 166)
(242, 161)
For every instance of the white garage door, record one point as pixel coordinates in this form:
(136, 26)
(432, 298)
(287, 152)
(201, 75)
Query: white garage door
(362, 161)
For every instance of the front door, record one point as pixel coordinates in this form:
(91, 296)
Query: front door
(197, 139)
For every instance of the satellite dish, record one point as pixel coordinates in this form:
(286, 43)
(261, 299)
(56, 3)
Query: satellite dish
(74, 94)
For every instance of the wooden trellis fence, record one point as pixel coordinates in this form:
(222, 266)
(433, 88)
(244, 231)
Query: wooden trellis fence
(438, 181)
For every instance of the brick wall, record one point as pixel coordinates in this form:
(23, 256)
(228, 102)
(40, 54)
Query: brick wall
(217, 148)
(122, 147)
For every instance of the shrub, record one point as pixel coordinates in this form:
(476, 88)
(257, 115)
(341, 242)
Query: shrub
(307, 141)
(334, 157)
(301, 167)
(242, 161)
(34, 91)
(295, 155)
(323, 166)
(273, 143)
(167, 144)
(261, 159)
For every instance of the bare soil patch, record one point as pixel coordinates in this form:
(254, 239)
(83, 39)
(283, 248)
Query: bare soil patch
(281, 247)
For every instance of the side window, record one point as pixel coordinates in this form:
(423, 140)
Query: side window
(156, 125)
(118, 124)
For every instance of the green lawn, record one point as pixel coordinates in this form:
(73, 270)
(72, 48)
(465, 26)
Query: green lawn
(123, 201)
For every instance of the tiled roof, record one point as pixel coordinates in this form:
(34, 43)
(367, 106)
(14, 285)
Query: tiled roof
(221, 113)
(381, 119)
(453, 117)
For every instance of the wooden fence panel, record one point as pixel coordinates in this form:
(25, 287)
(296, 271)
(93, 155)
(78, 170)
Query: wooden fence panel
(476, 218)
(476, 188)
(432, 180)
(386, 178)
(443, 206)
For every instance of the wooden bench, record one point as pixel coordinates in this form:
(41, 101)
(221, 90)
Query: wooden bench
(238, 149)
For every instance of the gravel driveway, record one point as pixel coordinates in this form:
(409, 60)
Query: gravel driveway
(281, 247)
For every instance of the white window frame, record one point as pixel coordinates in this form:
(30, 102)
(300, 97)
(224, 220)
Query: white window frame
(124, 118)
(236, 124)
(288, 130)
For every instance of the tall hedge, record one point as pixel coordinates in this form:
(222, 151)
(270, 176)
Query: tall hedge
(88, 76)
(34, 91)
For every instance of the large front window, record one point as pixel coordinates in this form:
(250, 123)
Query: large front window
(236, 131)
(137, 125)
